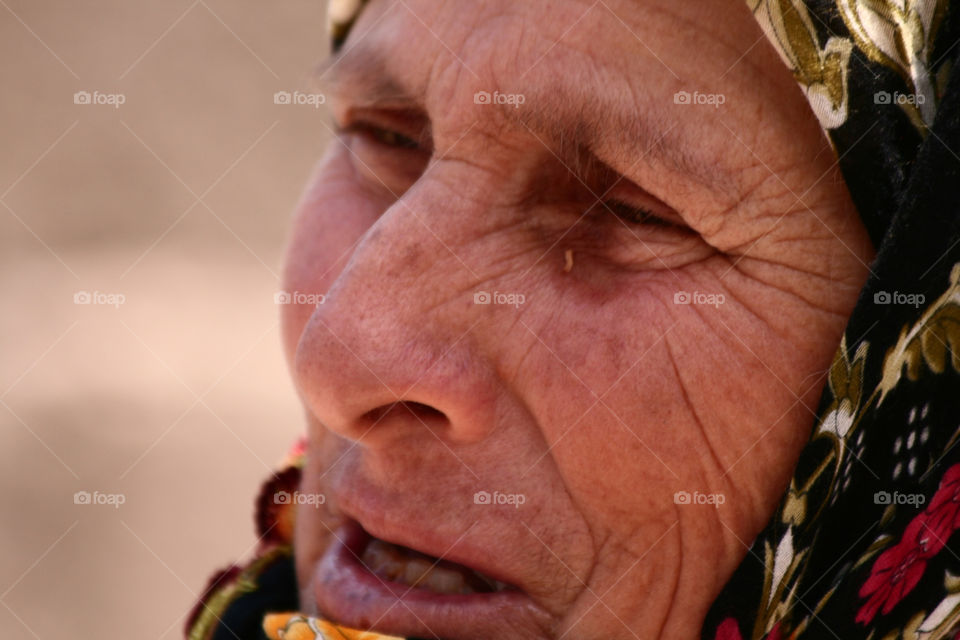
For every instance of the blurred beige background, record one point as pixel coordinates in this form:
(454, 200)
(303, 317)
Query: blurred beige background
(178, 200)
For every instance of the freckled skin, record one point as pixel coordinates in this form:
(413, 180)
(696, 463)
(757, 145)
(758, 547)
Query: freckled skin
(599, 397)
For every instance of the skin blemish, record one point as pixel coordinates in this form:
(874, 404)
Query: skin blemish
(567, 260)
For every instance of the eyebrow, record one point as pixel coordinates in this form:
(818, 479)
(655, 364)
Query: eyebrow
(603, 126)
(363, 72)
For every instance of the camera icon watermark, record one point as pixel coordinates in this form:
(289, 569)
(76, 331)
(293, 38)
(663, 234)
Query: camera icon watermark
(497, 498)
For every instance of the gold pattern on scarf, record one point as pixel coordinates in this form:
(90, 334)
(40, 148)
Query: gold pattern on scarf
(927, 341)
(341, 14)
(214, 609)
(821, 71)
(899, 34)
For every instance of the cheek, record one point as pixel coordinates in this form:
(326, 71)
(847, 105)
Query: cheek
(599, 380)
(332, 216)
(635, 391)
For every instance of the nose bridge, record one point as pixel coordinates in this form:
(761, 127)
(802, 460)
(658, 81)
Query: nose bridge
(407, 263)
(442, 231)
(395, 328)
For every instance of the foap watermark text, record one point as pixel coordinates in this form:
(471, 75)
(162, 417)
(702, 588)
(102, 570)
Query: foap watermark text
(299, 297)
(299, 97)
(485, 97)
(499, 297)
(887, 97)
(499, 498)
(886, 497)
(699, 297)
(686, 497)
(99, 297)
(97, 498)
(309, 499)
(697, 98)
(96, 97)
(896, 297)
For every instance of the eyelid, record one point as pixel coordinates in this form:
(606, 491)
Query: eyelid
(626, 194)
(381, 135)
(407, 123)
(634, 215)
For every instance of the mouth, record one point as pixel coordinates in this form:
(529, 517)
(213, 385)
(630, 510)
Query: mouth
(406, 566)
(374, 584)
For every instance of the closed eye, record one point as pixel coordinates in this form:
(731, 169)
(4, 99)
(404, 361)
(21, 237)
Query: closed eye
(389, 151)
(634, 215)
(385, 137)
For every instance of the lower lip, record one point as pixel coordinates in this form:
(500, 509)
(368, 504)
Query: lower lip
(350, 594)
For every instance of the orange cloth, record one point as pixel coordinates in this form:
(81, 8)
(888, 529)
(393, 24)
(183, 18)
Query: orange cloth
(295, 626)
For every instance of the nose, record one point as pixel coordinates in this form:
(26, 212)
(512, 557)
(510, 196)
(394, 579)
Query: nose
(395, 350)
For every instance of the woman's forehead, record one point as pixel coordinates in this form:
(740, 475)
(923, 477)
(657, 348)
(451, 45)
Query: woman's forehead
(516, 39)
(499, 66)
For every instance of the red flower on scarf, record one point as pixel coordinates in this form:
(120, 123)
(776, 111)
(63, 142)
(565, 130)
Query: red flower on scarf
(943, 512)
(898, 569)
(730, 630)
(895, 573)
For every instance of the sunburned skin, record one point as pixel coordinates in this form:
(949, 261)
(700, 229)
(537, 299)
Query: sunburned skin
(614, 303)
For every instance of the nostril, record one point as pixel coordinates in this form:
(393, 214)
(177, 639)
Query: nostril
(424, 411)
(421, 412)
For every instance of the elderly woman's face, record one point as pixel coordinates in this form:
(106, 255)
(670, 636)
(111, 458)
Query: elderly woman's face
(585, 266)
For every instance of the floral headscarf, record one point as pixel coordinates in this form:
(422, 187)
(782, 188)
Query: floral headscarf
(863, 543)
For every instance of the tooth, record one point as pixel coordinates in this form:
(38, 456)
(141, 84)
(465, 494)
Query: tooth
(398, 564)
(445, 581)
(382, 560)
(416, 570)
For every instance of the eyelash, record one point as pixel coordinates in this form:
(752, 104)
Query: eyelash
(385, 137)
(633, 215)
